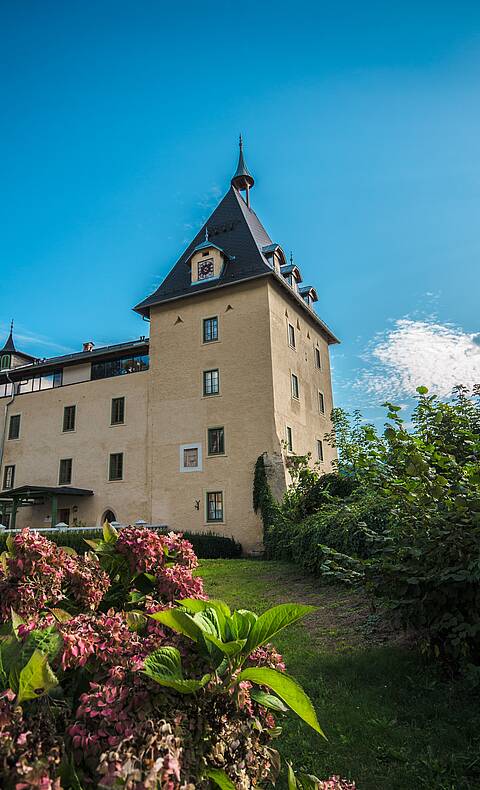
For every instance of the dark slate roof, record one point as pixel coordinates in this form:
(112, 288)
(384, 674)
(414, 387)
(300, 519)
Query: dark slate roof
(9, 348)
(236, 229)
(96, 355)
(206, 245)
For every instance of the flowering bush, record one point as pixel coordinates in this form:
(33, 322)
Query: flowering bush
(106, 683)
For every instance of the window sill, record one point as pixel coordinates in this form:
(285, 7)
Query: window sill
(119, 480)
(217, 455)
(214, 523)
(191, 469)
(117, 424)
(213, 395)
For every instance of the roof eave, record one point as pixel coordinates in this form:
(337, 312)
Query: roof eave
(144, 309)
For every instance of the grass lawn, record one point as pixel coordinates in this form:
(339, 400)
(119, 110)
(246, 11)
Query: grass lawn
(392, 723)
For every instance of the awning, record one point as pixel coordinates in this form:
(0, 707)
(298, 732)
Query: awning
(38, 492)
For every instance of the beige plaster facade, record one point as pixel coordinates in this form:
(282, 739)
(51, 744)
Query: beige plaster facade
(259, 374)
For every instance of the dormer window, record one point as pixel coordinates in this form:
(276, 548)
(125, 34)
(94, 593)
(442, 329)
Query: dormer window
(206, 262)
(309, 295)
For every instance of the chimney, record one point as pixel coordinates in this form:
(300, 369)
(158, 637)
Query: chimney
(88, 346)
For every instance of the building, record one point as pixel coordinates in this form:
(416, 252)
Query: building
(168, 428)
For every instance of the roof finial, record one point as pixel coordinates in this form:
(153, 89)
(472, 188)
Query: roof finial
(291, 257)
(242, 180)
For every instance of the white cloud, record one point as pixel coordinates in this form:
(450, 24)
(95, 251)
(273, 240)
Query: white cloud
(421, 353)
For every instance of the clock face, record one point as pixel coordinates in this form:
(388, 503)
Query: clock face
(205, 269)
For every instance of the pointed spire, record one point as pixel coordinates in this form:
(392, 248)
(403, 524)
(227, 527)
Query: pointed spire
(10, 345)
(242, 180)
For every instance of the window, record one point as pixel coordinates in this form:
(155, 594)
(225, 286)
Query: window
(119, 367)
(9, 477)
(318, 361)
(319, 450)
(216, 441)
(210, 382)
(115, 469)
(210, 329)
(57, 378)
(289, 440)
(191, 457)
(109, 516)
(118, 411)
(14, 427)
(295, 390)
(5, 362)
(65, 472)
(321, 403)
(291, 336)
(69, 418)
(215, 506)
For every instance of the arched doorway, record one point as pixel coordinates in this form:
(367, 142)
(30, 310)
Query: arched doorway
(109, 516)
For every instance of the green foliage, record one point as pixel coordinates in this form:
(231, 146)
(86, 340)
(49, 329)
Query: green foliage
(225, 640)
(407, 522)
(207, 545)
(263, 499)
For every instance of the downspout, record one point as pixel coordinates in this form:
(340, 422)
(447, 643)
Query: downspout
(2, 445)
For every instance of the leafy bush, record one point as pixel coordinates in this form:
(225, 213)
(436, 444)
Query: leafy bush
(409, 527)
(207, 545)
(105, 682)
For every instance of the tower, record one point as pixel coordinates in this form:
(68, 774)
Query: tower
(239, 366)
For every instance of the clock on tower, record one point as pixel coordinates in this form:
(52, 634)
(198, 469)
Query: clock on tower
(205, 269)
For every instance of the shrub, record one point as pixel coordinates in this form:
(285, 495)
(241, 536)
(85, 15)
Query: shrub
(410, 526)
(207, 545)
(105, 682)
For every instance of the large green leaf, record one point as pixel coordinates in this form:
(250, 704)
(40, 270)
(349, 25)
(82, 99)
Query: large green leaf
(164, 666)
(220, 778)
(16, 622)
(287, 689)
(178, 621)
(228, 648)
(10, 655)
(273, 621)
(268, 700)
(196, 605)
(165, 661)
(110, 534)
(10, 544)
(36, 678)
(241, 623)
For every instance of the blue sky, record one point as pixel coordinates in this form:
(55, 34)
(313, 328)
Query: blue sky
(362, 127)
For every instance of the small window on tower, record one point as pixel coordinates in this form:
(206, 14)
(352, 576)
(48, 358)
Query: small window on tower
(210, 329)
(291, 336)
(14, 428)
(318, 361)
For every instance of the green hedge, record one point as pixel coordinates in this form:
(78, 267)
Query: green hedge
(207, 545)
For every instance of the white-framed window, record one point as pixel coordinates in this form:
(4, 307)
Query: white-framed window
(291, 336)
(295, 387)
(321, 403)
(191, 457)
(214, 506)
(319, 450)
(318, 359)
(289, 439)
